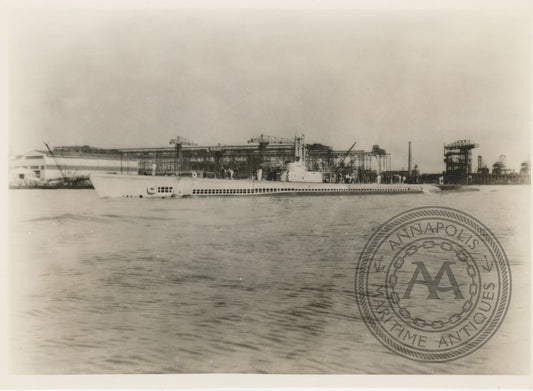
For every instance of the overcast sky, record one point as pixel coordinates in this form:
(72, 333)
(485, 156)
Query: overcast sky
(137, 78)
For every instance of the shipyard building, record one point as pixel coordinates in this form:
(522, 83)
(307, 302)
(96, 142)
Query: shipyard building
(265, 153)
(40, 166)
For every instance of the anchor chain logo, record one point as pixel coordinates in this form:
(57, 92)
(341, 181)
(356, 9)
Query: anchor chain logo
(433, 284)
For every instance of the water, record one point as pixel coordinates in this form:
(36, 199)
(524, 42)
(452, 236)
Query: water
(225, 285)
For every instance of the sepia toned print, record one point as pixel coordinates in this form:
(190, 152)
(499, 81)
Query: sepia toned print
(269, 191)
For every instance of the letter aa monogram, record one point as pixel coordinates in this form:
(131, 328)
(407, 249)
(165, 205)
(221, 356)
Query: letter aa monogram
(433, 284)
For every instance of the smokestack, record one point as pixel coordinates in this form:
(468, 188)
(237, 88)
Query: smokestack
(409, 161)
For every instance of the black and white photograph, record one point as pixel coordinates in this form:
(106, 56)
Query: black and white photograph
(268, 190)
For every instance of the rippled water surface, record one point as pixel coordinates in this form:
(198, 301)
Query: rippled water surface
(239, 285)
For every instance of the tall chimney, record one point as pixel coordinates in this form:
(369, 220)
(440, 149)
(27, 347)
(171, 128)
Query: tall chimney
(409, 161)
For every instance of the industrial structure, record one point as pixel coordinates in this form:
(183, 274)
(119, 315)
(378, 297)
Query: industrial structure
(481, 166)
(458, 159)
(263, 156)
(501, 174)
(67, 164)
(270, 154)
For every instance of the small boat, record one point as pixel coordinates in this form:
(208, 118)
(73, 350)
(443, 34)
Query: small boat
(457, 188)
(294, 180)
